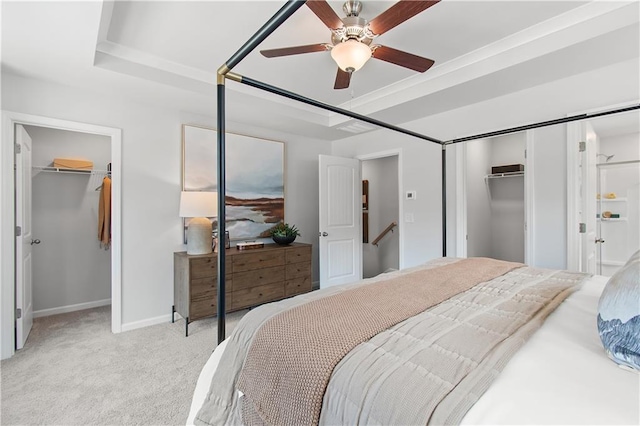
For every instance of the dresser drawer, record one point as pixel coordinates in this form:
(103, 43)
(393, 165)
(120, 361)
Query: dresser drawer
(208, 267)
(297, 270)
(298, 254)
(206, 305)
(257, 295)
(297, 286)
(203, 267)
(258, 277)
(203, 285)
(260, 260)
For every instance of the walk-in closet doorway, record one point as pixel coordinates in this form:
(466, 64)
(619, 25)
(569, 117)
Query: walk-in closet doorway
(60, 264)
(495, 197)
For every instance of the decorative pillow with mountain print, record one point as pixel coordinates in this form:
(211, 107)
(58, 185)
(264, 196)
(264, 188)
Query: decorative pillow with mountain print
(619, 315)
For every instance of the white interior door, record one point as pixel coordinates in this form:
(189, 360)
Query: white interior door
(340, 221)
(588, 191)
(24, 295)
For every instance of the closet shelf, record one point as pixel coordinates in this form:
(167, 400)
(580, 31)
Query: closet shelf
(49, 169)
(504, 175)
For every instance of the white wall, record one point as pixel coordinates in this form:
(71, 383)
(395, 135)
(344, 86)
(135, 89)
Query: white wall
(69, 266)
(625, 147)
(550, 197)
(382, 174)
(151, 228)
(478, 202)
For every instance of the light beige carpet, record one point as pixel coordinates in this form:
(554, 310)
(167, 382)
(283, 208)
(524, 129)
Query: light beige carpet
(74, 371)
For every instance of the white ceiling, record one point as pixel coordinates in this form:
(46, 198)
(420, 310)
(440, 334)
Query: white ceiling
(167, 53)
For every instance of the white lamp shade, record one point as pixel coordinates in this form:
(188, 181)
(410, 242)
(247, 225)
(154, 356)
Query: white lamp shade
(198, 204)
(351, 55)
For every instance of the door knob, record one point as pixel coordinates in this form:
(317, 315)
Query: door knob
(599, 240)
(324, 234)
(35, 242)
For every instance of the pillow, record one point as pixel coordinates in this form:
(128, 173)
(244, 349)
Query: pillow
(619, 315)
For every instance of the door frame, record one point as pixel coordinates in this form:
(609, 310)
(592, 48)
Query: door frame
(7, 212)
(574, 136)
(383, 154)
(529, 211)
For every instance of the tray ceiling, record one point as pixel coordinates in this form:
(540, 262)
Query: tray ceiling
(168, 52)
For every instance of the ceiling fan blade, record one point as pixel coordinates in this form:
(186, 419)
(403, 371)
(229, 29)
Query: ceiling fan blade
(397, 14)
(404, 59)
(294, 50)
(343, 79)
(326, 14)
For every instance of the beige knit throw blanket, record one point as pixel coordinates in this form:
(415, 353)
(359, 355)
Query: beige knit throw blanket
(284, 383)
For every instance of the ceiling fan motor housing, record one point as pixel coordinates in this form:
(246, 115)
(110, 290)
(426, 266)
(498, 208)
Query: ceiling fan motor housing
(352, 7)
(355, 28)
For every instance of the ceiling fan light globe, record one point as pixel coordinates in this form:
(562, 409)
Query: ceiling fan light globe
(351, 55)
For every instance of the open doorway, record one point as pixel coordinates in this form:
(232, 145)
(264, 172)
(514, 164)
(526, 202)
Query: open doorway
(380, 214)
(17, 282)
(495, 197)
(71, 267)
(604, 199)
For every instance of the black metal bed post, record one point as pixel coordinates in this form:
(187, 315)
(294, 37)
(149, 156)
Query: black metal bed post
(444, 200)
(221, 211)
(276, 20)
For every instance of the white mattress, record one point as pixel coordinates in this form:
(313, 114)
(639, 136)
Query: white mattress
(561, 376)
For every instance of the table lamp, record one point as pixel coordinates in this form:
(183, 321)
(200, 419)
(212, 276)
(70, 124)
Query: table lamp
(199, 205)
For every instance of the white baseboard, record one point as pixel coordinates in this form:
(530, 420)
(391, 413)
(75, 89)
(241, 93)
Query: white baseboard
(146, 322)
(71, 308)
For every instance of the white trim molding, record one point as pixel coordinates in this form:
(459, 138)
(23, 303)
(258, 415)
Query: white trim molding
(461, 199)
(134, 325)
(71, 308)
(7, 213)
(529, 201)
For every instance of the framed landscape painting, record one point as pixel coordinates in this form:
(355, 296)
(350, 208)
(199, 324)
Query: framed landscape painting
(255, 178)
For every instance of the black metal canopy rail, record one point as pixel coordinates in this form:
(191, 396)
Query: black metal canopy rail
(224, 72)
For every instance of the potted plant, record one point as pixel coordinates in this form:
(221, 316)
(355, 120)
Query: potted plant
(284, 234)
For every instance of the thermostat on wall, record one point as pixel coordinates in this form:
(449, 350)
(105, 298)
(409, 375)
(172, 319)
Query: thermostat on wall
(411, 195)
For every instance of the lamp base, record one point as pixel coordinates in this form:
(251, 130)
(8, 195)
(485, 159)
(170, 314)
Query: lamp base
(199, 236)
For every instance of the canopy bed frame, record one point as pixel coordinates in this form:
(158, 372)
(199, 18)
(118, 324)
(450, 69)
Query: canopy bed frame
(225, 72)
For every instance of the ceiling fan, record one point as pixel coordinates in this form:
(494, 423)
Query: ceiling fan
(351, 37)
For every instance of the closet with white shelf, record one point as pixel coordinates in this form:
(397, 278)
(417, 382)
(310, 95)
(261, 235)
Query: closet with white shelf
(71, 270)
(495, 202)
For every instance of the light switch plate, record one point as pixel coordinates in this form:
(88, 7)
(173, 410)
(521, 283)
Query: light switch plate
(411, 195)
(408, 217)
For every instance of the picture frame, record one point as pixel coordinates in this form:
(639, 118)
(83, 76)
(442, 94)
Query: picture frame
(255, 178)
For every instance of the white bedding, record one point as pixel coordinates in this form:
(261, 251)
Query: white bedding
(561, 376)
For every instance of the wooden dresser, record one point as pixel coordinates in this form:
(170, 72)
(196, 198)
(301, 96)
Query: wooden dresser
(253, 277)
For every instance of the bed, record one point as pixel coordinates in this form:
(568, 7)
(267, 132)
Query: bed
(560, 375)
